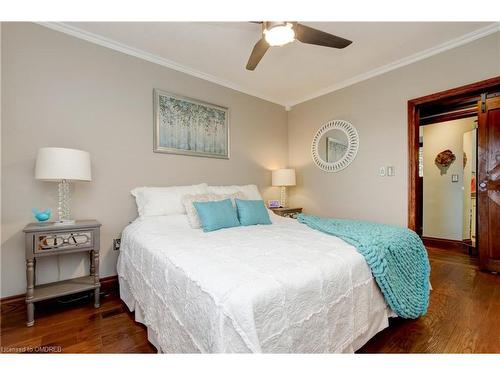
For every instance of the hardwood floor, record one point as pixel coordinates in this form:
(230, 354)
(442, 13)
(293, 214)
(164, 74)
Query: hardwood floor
(463, 317)
(75, 328)
(463, 314)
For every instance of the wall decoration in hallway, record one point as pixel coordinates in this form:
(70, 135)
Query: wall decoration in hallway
(190, 127)
(444, 159)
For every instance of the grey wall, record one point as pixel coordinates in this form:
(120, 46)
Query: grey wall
(378, 109)
(61, 91)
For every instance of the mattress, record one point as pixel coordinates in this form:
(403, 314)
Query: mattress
(280, 288)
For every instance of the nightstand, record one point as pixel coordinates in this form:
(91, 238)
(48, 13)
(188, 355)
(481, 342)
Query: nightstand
(287, 212)
(47, 239)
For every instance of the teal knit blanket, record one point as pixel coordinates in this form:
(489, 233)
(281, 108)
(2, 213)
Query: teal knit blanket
(396, 256)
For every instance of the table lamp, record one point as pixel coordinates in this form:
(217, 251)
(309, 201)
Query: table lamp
(63, 165)
(283, 178)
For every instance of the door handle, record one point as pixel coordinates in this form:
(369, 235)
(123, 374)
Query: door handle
(483, 185)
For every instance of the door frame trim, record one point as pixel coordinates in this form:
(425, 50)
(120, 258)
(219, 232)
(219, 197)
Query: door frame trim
(414, 200)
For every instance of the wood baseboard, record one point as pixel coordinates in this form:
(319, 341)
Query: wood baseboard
(443, 243)
(108, 284)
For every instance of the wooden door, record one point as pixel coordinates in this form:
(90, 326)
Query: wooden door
(489, 184)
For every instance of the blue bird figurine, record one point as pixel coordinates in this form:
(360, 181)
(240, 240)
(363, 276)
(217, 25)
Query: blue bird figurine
(41, 215)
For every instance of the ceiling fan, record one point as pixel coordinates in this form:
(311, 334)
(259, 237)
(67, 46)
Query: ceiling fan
(281, 33)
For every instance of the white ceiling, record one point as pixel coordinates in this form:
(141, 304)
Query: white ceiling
(286, 75)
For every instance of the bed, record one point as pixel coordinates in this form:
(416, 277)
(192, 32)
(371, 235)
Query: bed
(280, 288)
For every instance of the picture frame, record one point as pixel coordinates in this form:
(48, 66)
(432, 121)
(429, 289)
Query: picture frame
(191, 127)
(274, 203)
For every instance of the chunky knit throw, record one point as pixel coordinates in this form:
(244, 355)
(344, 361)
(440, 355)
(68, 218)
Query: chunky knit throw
(396, 256)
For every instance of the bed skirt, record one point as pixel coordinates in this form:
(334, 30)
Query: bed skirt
(378, 322)
(133, 306)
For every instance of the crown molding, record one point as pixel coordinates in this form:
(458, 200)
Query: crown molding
(120, 47)
(464, 39)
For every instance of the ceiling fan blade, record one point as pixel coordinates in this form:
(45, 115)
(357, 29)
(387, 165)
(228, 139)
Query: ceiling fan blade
(258, 52)
(308, 35)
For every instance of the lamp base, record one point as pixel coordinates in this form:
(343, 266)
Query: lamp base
(63, 204)
(283, 197)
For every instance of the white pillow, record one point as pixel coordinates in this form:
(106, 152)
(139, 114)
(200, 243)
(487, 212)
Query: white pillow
(192, 214)
(251, 192)
(156, 201)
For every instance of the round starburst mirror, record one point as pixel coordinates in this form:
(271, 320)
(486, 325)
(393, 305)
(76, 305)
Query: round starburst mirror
(335, 145)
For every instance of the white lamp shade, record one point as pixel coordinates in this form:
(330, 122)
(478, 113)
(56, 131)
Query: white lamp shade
(283, 177)
(56, 164)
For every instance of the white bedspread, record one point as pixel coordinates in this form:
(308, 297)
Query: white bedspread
(266, 288)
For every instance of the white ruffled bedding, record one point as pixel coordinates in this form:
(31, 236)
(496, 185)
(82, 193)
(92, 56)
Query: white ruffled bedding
(268, 288)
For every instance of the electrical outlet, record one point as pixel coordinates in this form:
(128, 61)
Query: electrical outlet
(381, 172)
(454, 178)
(116, 244)
(391, 171)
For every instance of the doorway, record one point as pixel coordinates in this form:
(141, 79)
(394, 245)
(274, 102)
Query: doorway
(447, 168)
(451, 109)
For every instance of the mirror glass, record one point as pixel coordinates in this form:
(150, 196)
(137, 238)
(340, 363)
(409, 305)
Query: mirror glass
(333, 145)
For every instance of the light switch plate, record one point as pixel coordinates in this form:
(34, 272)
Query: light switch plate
(381, 172)
(454, 178)
(391, 171)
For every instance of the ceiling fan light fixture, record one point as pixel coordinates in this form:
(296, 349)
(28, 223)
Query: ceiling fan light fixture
(279, 35)
(282, 32)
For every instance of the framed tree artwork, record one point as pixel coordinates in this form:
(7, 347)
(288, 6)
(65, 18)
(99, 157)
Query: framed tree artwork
(188, 126)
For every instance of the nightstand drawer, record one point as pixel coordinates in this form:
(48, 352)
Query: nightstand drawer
(291, 215)
(50, 242)
(287, 212)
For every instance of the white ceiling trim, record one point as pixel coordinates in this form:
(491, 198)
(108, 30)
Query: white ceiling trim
(464, 39)
(117, 46)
